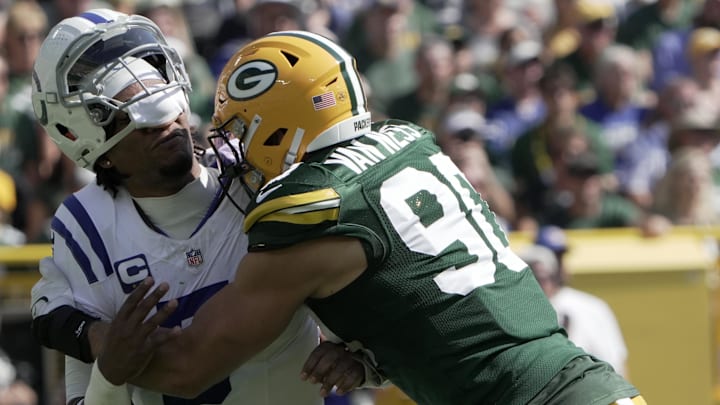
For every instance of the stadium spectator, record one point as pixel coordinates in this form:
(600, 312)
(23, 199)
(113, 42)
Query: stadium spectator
(466, 90)
(687, 194)
(697, 126)
(12, 154)
(643, 26)
(618, 108)
(232, 29)
(10, 122)
(579, 199)
(522, 106)
(435, 68)
(536, 154)
(58, 10)
(460, 136)
(589, 321)
(561, 37)
(251, 21)
(25, 29)
(669, 54)
(646, 157)
(385, 37)
(694, 125)
(45, 174)
(596, 26)
(484, 22)
(704, 57)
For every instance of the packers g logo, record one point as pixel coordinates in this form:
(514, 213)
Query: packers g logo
(251, 80)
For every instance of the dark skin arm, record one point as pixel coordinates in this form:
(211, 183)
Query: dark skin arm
(330, 364)
(249, 313)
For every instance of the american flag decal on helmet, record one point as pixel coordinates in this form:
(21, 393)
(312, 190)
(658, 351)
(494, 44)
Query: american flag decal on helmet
(324, 100)
(194, 257)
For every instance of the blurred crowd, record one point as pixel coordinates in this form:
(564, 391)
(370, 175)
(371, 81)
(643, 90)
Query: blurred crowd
(571, 113)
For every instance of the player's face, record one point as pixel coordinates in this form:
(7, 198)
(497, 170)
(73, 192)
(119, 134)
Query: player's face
(155, 154)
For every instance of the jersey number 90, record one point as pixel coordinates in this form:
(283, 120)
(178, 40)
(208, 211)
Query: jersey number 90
(450, 216)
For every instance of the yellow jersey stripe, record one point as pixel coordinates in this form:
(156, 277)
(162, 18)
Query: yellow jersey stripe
(288, 201)
(307, 218)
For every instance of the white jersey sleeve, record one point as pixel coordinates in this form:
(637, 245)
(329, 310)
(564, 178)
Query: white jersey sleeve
(52, 290)
(81, 240)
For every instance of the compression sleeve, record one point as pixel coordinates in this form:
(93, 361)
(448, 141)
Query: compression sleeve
(77, 378)
(65, 329)
(102, 391)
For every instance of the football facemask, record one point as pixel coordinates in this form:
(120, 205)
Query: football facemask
(82, 65)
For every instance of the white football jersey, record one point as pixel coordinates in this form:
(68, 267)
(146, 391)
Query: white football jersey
(105, 248)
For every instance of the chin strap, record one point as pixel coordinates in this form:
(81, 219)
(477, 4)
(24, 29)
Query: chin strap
(291, 154)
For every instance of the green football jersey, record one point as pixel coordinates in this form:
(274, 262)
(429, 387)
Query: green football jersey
(449, 313)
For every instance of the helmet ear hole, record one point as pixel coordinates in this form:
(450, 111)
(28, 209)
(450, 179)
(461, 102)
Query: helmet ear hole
(99, 113)
(64, 131)
(276, 137)
(292, 59)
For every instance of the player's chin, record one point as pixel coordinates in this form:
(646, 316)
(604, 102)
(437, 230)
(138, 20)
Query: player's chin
(178, 163)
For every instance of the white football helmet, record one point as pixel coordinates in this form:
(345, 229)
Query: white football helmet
(85, 61)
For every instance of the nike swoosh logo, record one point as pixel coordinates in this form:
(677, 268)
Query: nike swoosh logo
(35, 306)
(264, 193)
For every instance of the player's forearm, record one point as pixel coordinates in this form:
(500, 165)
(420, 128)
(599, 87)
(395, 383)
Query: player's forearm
(170, 371)
(192, 362)
(227, 331)
(185, 366)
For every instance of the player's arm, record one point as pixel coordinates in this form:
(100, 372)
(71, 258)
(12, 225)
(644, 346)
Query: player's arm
(249, 313)
(57, 323)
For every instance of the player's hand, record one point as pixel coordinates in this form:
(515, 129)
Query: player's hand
(132, 339)
(331, 364)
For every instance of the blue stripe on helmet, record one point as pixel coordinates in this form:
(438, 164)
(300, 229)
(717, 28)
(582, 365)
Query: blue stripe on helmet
(95, 18)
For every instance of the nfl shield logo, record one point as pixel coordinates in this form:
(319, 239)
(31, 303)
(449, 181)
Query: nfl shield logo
(194, 257)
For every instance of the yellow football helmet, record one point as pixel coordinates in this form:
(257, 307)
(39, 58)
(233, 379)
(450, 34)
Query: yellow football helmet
(284, 95)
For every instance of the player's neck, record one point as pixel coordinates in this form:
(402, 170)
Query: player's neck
(158, 185)
(179, 214)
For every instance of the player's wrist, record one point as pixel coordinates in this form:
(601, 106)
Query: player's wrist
(372, 378)
(102, 391)
(95, 337)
